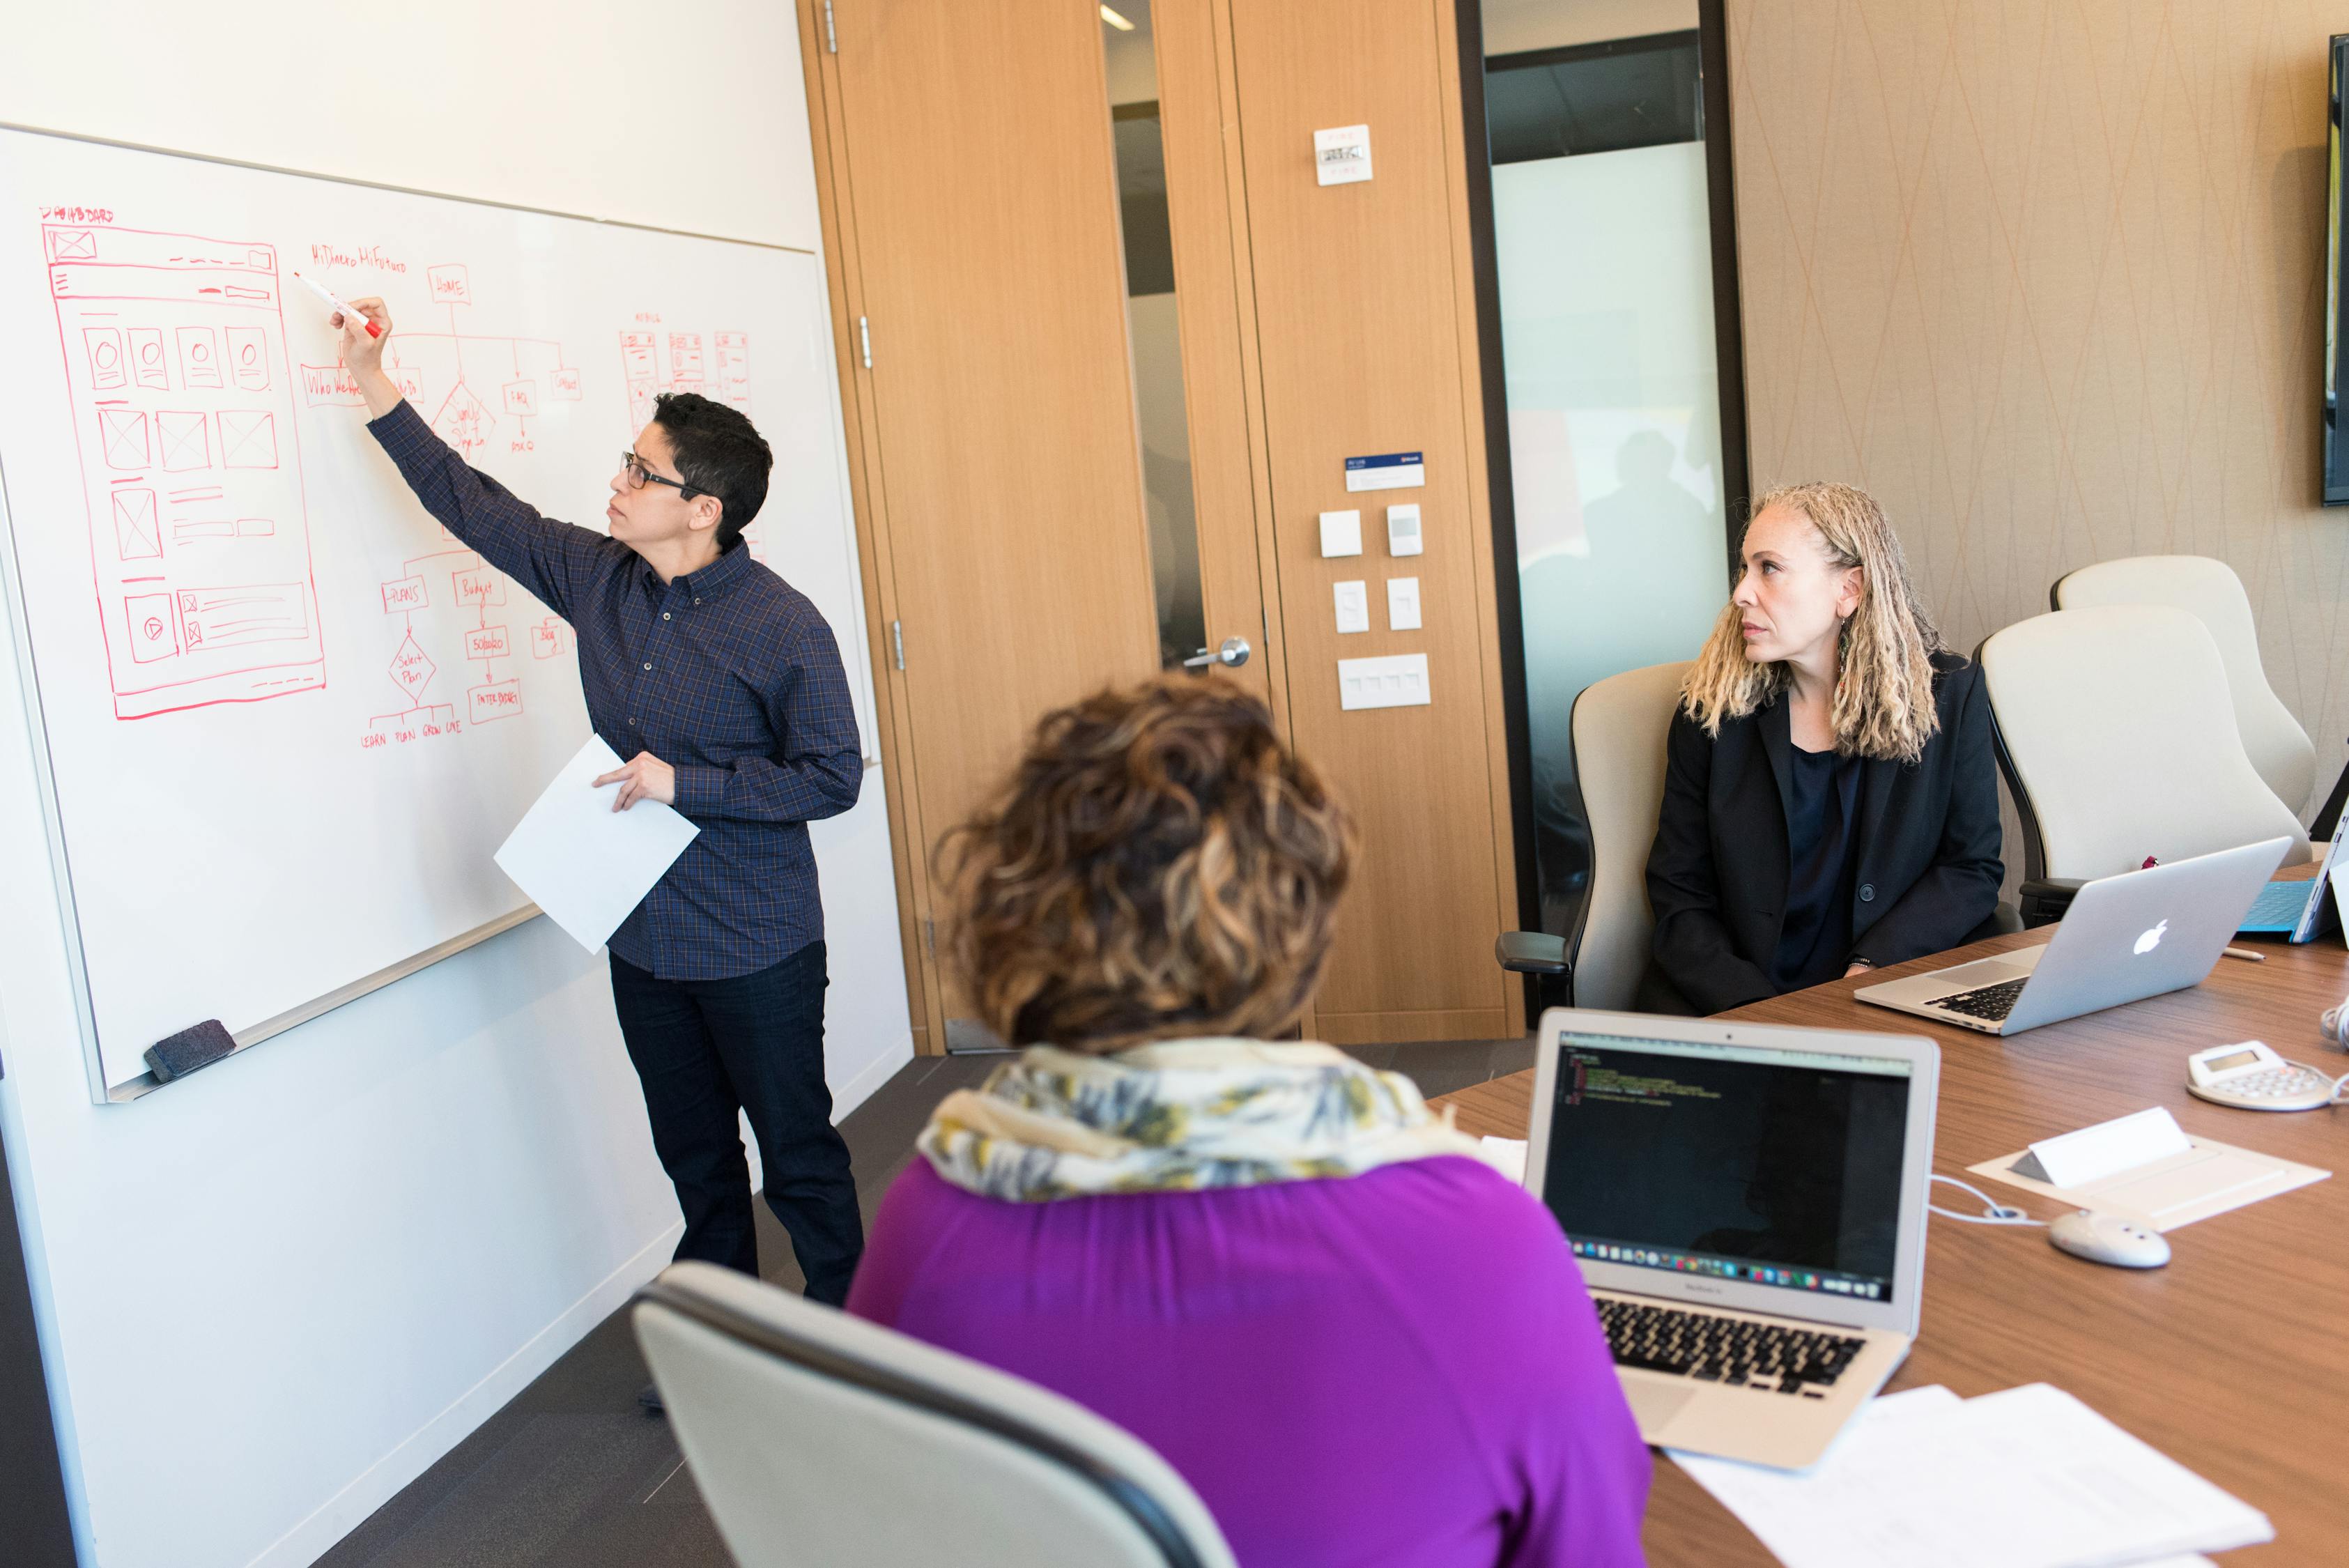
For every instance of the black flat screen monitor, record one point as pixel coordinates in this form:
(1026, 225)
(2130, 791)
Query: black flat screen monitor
(2336, 368)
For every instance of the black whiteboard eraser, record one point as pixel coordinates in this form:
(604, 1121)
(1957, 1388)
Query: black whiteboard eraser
(200, 1045)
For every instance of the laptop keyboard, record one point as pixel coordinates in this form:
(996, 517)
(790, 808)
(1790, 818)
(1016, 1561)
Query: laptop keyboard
(1990, 1003)
(1732, 1350)
(2278, 908)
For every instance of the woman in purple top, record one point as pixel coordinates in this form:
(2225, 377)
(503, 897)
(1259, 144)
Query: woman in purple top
(1359, 1342)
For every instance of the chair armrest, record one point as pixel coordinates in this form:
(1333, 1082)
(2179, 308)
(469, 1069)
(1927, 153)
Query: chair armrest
(2045, 898)
(2006, 919)
(1531, 952)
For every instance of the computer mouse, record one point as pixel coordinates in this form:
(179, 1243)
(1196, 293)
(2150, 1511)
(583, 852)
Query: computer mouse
(2108, 1238)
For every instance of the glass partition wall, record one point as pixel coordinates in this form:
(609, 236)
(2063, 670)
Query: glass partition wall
(1617, 427)
(1150, 323)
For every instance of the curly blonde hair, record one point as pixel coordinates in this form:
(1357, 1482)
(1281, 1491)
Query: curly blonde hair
(1158, 865)
(1883, 705)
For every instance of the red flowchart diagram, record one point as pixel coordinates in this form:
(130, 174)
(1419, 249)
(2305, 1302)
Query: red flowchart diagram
(479, 390)
(654, 359)
(471, 585)
(724, 374)
(183, 423)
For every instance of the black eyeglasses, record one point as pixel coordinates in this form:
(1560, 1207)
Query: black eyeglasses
(639, 476)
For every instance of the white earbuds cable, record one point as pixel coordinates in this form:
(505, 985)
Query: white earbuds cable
(1993, 1212)
(2335, 1025)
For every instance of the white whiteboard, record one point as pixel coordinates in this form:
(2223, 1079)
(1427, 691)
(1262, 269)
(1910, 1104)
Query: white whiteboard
(288, 717)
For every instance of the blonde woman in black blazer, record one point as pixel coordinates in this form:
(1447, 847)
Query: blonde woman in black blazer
(1829, 805)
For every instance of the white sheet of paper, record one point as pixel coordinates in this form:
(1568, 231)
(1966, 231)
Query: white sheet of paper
(2030, 1477)
(585, 863)
(1505, 1154)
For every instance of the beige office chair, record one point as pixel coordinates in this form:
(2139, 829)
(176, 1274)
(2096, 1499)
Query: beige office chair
(1617, 729)
(820, 1440)
(2209, 590)
(2118, 739)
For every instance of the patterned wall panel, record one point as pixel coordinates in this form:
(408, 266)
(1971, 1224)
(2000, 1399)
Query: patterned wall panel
(2046, 276)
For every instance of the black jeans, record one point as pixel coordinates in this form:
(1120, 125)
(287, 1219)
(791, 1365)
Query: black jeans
(707, 1050)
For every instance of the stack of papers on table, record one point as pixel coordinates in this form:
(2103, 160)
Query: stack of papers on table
(2030, 1477)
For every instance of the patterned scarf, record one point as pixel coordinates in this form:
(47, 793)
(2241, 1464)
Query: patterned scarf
(1176, 1115)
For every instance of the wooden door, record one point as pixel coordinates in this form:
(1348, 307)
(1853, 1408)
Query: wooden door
(1362, 298)
(970, 172)
(966, 166)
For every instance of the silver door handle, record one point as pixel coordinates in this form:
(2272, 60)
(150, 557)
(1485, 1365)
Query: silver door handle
(1232, 655)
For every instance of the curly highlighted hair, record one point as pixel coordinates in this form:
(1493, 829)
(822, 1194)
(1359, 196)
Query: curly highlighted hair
(1883, 705)
(1158, 865)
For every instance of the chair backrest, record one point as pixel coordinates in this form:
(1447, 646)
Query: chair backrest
(2118, 740)
(2209, 591)
(1619, 726)
(819, 1439)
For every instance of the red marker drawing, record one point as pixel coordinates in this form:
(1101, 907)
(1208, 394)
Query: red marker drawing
(358, 315)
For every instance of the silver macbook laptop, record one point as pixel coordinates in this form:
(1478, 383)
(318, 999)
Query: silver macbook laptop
(1748, 1208)
(2123, 939)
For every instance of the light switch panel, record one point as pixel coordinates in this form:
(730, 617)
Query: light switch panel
(1398, 680)
(1402, 604)
(1353, 606)
(1402, 530)
(1341, 534)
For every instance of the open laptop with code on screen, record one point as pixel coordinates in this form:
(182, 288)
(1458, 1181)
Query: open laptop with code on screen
(1747, 1205)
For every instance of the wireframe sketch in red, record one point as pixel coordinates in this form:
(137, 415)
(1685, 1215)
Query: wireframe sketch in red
(175, 363)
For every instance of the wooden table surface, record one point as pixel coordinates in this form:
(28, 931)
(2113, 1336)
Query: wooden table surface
(2233, 1360)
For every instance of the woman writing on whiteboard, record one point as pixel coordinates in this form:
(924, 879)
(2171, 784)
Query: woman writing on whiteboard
(722, 686)
(1829, 805)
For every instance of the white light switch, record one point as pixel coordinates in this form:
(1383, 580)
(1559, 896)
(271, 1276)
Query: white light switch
(1353, 606)
(1341, 534)
(1398, 680)
(1402, 604)
(1402, 530)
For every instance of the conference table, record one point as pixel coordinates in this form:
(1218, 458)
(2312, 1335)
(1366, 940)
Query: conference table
(2233, 1360)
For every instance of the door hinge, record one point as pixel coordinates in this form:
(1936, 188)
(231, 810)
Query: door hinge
(830, 38)
(865, 336)
(930, 937)
(897, 641)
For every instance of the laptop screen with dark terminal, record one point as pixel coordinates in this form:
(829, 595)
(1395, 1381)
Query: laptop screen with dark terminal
(1774, 1167)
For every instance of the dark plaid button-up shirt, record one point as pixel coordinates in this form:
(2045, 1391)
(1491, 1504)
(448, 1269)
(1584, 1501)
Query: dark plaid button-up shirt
(727, 674)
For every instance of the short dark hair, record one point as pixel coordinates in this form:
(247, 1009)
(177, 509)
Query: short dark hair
(719, 451)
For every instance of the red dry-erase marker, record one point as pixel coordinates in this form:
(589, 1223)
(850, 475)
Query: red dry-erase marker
(358, 315)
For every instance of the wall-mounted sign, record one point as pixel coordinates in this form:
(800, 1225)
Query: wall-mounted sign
(1387, 471)
(1342, 156)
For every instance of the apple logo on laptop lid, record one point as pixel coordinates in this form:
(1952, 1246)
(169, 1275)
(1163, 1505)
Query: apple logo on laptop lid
(2151, 939)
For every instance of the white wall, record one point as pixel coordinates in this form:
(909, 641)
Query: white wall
(689, 117)
(275, 1293)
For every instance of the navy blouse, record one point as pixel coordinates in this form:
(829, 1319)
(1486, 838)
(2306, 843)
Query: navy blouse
(1822, 820)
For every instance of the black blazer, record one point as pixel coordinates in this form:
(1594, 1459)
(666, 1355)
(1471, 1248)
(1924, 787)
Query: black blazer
(1929, 870)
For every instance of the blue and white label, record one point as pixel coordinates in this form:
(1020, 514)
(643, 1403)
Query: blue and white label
(1389, 471)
